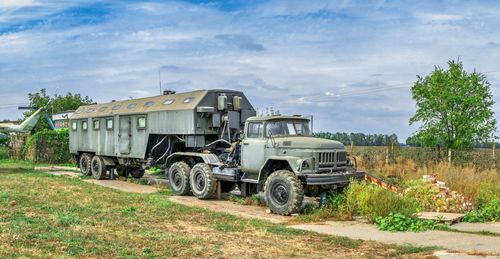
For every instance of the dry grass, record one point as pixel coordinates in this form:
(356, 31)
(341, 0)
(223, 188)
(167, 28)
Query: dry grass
(49, 216)
(467, 179)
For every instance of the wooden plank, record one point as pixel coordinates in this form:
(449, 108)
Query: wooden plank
(445, 217)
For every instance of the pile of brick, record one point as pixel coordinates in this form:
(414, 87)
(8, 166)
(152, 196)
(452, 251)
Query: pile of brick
(444, 199)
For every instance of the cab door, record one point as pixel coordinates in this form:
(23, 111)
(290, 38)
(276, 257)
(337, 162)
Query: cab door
(253, 150)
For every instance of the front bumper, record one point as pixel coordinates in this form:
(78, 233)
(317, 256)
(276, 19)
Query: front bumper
(340, 178)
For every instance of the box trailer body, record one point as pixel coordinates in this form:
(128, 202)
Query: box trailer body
(125, 132)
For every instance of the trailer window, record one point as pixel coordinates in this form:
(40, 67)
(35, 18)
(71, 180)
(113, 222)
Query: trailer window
(90, 110)
(97, 124)
(116, 107)
(188, 100)
(103, 109)
(85, 125)
(132, 106)
(109, 124)
(149, 104)
(255, 130)
(169, 101)
(141, 122)
(74, 125)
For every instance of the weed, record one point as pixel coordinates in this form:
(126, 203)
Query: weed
(488, 211)
(373, 201)
(400, 222)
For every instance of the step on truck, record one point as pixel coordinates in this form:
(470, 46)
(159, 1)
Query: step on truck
(210, 140)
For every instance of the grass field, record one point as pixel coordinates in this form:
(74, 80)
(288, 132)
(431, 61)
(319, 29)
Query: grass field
(48, 216)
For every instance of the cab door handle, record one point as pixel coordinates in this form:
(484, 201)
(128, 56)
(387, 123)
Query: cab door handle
(245, 143)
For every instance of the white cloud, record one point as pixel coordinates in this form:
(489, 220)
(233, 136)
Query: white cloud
(284, 54)
(17, 3)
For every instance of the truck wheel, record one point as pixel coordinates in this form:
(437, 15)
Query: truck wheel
(178, 178)
(283, 192)
(137, 173)
(98, 168)
(85, 161)
(203, 182)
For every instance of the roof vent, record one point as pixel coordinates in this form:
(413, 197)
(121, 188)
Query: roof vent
(168, 92)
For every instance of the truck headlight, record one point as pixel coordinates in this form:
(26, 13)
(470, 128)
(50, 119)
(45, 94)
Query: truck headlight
(305, 165)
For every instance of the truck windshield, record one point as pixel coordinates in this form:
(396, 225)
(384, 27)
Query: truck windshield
(288, 128)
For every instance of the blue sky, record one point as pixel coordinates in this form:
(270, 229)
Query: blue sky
(349, 63)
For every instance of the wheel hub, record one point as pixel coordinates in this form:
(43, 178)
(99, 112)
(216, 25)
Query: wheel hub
(200, 181)
(280, 193)
(177, 179)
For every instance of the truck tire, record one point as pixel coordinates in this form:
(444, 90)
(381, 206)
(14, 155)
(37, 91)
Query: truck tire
(283, 192)
(178, 178)
(85, 164)
(203, 182)
(137, 173)
(98, 168)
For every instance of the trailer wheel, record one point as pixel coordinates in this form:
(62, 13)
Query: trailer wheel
(137, 173)
(178, 178)
(85, 161)
(203, 182)
(283, 192)
(98, 168)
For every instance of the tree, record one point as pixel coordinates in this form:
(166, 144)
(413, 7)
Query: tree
(454, 108)
(58, 103)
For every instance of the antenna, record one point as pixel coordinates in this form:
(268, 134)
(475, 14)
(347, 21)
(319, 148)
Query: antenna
(159, 80)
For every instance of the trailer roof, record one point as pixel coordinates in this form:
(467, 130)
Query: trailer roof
(170, 102)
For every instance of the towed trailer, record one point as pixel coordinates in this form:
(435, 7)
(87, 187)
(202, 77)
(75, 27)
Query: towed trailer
(208, 140)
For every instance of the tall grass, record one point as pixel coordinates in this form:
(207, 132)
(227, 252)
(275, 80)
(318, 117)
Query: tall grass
(473, 179)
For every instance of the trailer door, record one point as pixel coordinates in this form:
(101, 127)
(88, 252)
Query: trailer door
(125, 134)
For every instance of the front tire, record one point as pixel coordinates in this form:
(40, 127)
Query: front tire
(178, 178)
(203, 182)
(85, 164)
(98, 168)
(283, 192)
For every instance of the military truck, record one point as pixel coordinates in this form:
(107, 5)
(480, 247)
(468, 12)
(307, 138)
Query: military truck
(210, 141)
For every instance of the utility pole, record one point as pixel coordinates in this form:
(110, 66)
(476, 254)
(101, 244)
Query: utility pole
(159, 80)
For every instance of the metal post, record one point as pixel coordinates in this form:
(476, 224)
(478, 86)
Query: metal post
(112, 174)
(219, 190)
(449, 157)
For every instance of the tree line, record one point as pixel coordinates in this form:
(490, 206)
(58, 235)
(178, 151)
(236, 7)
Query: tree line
(360, 139)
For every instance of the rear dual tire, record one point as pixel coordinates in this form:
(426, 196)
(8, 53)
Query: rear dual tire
(98, 168)
(85, 164)
(178, 178)
(203, 181)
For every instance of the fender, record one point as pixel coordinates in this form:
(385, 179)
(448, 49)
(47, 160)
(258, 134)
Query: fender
(293, 163)
(210, 159)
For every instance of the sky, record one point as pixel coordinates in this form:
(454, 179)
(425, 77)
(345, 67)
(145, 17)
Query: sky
(350, 64)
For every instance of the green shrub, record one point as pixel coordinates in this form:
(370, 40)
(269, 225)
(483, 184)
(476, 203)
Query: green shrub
(4, 153)
(373, 201)
(52, 146)
(400, 222)
(489, 211)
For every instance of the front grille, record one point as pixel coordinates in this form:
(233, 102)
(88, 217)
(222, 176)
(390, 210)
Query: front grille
(332, 159)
